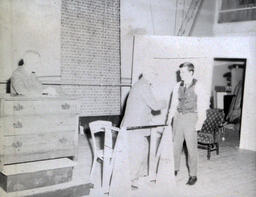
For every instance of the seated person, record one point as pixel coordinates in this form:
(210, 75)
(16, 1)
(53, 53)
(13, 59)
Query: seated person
(140, 103)
(23, 80)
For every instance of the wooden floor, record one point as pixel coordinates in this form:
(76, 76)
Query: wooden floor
(232, 173)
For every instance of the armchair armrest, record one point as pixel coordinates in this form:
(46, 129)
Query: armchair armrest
(113, 129)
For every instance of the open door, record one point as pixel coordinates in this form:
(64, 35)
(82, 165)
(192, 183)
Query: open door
(227, 94)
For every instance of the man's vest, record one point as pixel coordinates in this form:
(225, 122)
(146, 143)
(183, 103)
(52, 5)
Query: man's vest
(187, 98)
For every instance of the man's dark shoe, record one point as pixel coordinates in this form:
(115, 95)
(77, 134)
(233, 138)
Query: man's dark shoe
(176, 172)
(192, 180)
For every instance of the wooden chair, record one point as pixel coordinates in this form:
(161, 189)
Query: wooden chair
(209, 136)
(104, 154)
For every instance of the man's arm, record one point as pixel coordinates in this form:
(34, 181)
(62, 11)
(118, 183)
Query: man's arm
(203, 102)
(174, 103)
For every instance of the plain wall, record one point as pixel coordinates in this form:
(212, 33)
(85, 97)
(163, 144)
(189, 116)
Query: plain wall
(30, 25)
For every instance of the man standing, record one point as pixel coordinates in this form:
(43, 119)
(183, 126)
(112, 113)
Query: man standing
(188, 108)
(140, 103)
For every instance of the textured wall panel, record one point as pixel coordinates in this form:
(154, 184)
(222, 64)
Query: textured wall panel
(96, 101)
(90, 53)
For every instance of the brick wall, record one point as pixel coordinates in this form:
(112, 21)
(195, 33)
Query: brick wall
(90, 54)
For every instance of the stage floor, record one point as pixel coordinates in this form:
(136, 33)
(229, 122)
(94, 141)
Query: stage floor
(231, 173)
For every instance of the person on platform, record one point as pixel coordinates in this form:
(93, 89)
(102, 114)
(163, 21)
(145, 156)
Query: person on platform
(24, 80)
(188, 110)
(140, 103)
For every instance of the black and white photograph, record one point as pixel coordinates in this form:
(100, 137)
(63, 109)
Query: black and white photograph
(127, 98)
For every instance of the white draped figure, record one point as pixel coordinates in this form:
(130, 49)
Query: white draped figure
(140, 103)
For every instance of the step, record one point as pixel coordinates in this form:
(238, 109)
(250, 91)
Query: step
(74, 188)
(24, 176)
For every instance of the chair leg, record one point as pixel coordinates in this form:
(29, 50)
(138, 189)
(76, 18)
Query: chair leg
(209, 152)
(93, 166)
(217, 148)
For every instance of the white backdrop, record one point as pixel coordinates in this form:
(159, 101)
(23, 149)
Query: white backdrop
(150, 48)
(165, 60)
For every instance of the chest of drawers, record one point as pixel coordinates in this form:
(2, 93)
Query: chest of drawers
(33, 129)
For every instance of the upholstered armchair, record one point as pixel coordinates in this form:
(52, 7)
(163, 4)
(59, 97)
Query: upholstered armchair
(209, 136)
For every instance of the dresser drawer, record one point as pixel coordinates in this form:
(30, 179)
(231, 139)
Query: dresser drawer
(38, 147)
(19, 125)
(40, 107)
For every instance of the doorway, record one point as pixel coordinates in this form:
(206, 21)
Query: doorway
(227, 94)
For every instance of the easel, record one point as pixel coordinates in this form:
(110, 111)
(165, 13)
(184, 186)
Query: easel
(119, 165)
(121, 182)
(116, 175)
(165, 172)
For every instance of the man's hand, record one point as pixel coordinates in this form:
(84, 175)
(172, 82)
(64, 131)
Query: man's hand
(198, 126)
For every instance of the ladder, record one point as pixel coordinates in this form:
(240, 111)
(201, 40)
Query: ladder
(185, 17)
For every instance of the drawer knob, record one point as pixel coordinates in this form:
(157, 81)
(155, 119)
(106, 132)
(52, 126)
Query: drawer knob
(17, 144)
(65, 106)
(17, 125)
(18, 107)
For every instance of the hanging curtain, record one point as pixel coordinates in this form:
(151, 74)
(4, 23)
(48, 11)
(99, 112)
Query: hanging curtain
(235, 109)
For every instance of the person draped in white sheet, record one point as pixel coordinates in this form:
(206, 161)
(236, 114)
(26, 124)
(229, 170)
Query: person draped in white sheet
(24, 81)
(140, 103)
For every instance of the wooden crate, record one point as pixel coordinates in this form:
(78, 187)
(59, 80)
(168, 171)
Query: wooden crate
(18, 177)
(41, 146)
